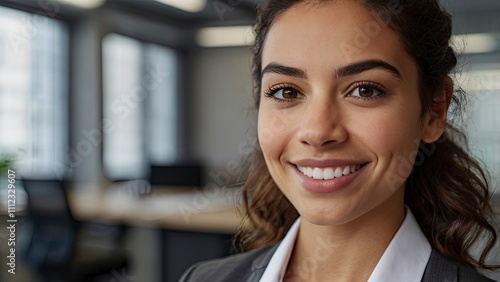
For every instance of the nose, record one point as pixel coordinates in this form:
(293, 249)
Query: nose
(321, 124)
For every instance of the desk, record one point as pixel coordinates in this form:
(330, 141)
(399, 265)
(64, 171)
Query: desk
(193, 224)
(187, 209)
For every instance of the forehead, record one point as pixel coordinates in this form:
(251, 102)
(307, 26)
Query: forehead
(332, 33)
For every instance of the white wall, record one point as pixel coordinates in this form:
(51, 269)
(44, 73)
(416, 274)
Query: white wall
(220, 105)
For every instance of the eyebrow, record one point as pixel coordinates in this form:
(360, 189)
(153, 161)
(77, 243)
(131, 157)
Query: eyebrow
(363, 66)
(284, 70)
(351, 69)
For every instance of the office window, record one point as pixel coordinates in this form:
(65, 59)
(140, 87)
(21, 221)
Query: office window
(483, 117)
(139, 100)
(33, 91)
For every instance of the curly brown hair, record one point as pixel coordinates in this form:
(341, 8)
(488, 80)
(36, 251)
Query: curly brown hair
(447, 191)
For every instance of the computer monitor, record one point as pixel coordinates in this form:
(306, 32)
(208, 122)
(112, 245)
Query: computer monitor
(176, 175)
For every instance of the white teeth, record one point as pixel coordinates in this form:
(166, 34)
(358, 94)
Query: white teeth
(302, 169)
(328, 173)
(347, 170)
(318, 173)
(309, 172)
(338, 172)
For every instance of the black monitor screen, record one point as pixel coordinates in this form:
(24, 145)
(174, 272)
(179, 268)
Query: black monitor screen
(176, 175)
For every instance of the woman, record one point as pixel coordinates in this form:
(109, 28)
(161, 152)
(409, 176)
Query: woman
(353, 99)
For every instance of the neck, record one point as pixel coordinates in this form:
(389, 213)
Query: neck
(348, 252)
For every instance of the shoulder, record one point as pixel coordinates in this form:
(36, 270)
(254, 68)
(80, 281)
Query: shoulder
(440, 268)
(235, 268)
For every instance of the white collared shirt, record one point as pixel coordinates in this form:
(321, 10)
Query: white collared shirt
(405, 259)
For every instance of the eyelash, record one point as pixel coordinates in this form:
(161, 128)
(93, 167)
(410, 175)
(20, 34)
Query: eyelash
(382, 90)
(269, 93)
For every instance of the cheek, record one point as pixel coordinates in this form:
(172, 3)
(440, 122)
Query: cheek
(268, 134)
(273, 131)
(395, 129)
(393, 143)
(391, 137)
(271, 141)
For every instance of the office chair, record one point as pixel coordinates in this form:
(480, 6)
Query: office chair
(50, 238)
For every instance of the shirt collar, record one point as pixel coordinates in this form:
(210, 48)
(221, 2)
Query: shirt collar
(405, 259)
(276, 268)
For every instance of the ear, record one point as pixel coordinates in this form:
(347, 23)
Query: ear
(435, 120)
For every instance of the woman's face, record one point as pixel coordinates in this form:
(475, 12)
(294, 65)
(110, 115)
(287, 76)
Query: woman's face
(340, 117)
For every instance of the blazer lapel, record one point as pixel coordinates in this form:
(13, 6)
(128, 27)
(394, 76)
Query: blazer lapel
(260, 263)
(440, 269)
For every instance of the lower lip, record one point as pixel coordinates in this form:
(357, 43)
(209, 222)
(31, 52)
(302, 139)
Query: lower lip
(327, 186)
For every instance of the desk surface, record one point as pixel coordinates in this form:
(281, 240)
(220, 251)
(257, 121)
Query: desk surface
(215, 210)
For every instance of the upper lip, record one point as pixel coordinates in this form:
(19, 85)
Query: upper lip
(327, 163)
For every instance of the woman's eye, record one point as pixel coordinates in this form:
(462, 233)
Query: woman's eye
(366, 91)
(287, 94)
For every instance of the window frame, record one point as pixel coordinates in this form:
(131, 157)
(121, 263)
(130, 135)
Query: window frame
(176, 38)
(60, 169)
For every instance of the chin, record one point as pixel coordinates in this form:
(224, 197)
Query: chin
(329, 216)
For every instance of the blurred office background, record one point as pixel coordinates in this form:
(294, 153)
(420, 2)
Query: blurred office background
(109, 94)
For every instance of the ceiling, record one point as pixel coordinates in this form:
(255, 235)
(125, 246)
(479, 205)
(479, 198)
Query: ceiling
(226, 12)
(216, 12)
(244, 10)
(466, 6)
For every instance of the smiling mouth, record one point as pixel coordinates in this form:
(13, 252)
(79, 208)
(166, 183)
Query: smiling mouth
(328, 173)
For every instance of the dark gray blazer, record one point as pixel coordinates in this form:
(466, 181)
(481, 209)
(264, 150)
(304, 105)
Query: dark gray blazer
(250, 266)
